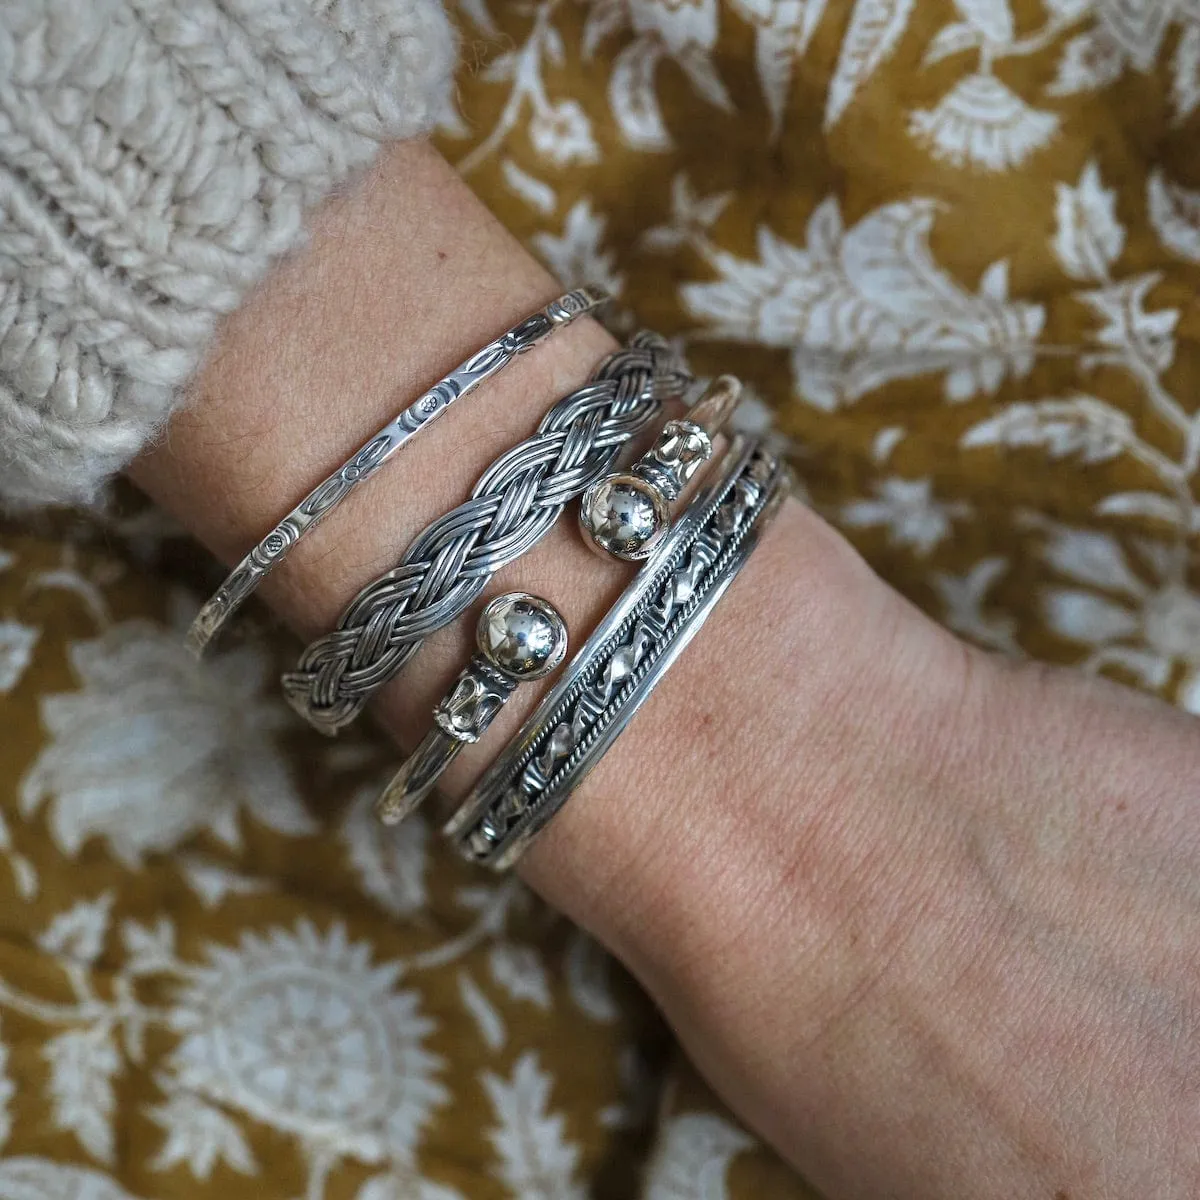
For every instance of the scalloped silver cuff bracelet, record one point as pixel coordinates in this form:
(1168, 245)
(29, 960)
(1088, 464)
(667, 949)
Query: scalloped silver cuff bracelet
(621, 663)
(327, 495)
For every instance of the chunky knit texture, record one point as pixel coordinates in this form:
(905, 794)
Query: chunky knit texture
(155, 157)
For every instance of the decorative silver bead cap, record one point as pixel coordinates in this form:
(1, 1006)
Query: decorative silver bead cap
(522, 635)
(627, 514)
(519, 637)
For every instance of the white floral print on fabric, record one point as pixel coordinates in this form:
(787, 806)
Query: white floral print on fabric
(155, 747)
(301, 1031)
(536, 1159)
(693, 1158)
(1145, 622)
(16, 652)
(33, 1178)
(861, 306)
(910, 513)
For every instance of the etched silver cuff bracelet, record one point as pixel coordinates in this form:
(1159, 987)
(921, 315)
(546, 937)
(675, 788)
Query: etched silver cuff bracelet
(627, 514)
(620, 664)
(327, 495)
(519, 637)
(514, 505)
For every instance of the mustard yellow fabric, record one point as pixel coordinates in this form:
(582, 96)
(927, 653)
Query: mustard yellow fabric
(952, 245)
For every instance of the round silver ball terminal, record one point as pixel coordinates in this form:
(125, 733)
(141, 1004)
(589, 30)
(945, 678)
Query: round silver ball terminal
(522, 635)
(624, 516)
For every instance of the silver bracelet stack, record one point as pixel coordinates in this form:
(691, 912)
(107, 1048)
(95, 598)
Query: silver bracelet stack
(686, 568)
(514, 505)
(327, 495)
(623, 660)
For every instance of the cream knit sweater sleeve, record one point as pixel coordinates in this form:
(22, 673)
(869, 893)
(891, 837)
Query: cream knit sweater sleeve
(155, 157)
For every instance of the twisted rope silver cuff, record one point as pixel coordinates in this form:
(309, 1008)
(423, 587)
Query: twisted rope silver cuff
(620, 664)
(328, 494)
(514, 505)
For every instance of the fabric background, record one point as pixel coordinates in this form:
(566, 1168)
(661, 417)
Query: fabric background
(955, 249)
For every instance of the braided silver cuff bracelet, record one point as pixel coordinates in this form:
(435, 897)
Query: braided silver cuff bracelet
(327, 495)
(519, 637)
(620, 664)
(514, 505)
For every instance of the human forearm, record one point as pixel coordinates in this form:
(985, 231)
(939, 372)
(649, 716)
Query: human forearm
(781, 844)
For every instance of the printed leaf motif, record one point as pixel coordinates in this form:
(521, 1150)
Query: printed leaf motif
(16, 652)
(7, 1092)
(1067, 11)
(536, 193)
(1175, 215)
(992, 19)
(1089, 61)
(32, 1178)
(1145, 337)
(153, 747)
(1088, 238)
(213, 882)
(1137, 27)
(588, 966)
(199, 1136)
(783, 29)
(483, 1012)
(963, 598)
(537, 1162)
(400, 1186)
(149, 949)
(875, 28)
(390, 863)
(604, 18)
(693, 1158)
(952, 39)
(862, 306)
(632, 97)
(78, 934)
(1185, 73)
(82, 1064)
(1152, 505)
(519, 971)
(1079, 425)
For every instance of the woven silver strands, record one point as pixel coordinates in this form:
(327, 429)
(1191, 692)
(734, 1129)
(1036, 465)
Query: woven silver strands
(514, 505)
(368, 458)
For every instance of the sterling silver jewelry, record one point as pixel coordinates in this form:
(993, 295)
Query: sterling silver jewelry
(520, 637)
(326, 496)
(514, 505)
(620, 664)
(627, 514)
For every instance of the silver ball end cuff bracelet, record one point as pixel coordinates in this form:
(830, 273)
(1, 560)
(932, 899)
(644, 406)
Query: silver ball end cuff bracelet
(620, 664)
(327, 495)
(627, 514)
(519, 637)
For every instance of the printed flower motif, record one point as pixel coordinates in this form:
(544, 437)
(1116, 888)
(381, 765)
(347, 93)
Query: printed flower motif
(982, 123)
(909, 511)
(154, 748)
(862, 306)
(681, 24)
(562, 133)
(300, 1031)
(578, 255)
(683, 30)
(16, 652)
(1147, 623)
